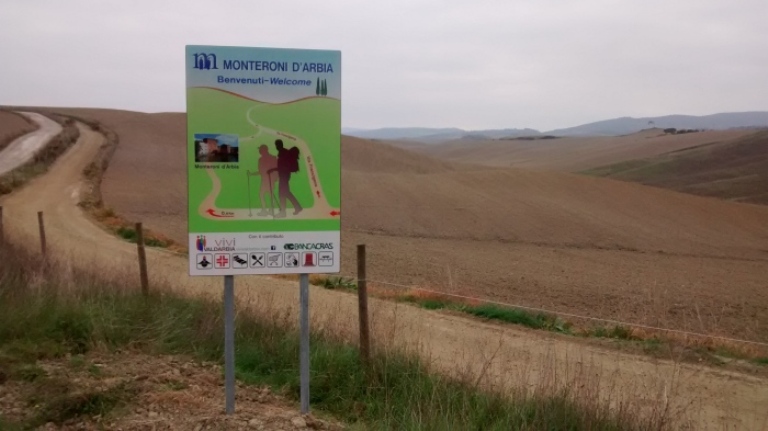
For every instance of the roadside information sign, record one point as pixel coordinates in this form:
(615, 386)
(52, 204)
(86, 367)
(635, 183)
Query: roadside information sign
(264, 160)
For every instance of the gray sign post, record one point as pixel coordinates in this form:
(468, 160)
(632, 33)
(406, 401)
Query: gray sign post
(229, 342)
(304, 342)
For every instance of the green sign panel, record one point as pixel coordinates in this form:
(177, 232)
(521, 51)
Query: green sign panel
(264, 160)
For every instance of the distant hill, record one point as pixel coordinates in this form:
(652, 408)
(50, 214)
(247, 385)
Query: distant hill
(627, 125)
(400, 132)
(612, 127)
(432, 135)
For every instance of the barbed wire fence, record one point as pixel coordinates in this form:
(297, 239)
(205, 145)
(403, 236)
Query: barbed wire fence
(566, 314)
(452, 282)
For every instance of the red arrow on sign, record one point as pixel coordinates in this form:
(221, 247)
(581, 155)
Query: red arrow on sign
(335, 213)
(318, 193)
(211, 212)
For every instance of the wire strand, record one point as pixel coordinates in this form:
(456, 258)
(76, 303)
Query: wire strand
(576, 316)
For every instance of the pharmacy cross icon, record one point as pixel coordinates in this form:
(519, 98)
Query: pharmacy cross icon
(222, 261)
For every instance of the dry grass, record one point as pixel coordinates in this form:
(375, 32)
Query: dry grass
(58, 309)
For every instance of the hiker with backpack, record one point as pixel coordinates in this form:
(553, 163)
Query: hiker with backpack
(287, 163)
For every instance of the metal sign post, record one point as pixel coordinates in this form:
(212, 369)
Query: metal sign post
(229, 342)
(304, 342)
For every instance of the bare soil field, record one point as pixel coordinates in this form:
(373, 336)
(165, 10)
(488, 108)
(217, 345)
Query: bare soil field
(565, 242)
(572, 154)
(13, 125)
(501, 356)
(735, 170)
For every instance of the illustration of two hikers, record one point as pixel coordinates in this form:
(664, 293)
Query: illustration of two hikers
(278, 169)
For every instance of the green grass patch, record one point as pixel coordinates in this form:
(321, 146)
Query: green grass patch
(510, 315)
(154, 242)
(127, 233)
(617, 332)
(7, 425)
(59, 403)
(428, 303)
(614, 169)
(29, 373)
(397, 391)
(336, 283)
(495, 312)
(761, 361)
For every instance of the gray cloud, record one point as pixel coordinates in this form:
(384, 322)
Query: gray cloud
(541, 64)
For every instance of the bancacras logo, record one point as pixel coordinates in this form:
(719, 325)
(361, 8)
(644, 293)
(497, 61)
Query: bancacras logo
(205, 61)
(218, 245)
(309, 246)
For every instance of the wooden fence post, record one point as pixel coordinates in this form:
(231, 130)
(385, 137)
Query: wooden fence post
(362, 299)
(142, 260)
(42, 231)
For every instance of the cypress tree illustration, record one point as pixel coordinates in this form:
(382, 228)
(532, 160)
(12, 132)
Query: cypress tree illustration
(324, 90)
(317, 89)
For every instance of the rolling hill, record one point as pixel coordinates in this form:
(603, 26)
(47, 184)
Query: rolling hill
(567, 242)
(611, 127)
(398, 192)
(626, 125)
(573, 154)
(735, 170)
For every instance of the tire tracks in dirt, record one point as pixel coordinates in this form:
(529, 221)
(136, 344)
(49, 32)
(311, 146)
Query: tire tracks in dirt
(496, 356)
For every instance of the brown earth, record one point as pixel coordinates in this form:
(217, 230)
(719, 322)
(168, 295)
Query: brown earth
(694, 396)
(13, 125)
(151, 393)
(570, 154)
(564, 242)
(736, 169)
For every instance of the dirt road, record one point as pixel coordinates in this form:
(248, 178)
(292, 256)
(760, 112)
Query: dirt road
(23, 148)
(701, 398)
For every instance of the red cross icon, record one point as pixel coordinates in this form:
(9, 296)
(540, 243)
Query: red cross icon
(222, 261)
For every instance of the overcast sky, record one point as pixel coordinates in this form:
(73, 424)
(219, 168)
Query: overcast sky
(477, 64)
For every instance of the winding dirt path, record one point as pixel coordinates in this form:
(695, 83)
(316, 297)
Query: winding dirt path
(23, 148)
(698, 397)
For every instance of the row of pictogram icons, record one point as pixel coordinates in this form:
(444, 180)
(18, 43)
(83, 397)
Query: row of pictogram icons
(264, 260)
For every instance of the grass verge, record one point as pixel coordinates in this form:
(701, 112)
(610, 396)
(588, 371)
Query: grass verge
(53, 312)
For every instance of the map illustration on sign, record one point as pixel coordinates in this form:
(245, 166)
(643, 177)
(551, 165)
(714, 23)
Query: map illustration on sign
(264, 150)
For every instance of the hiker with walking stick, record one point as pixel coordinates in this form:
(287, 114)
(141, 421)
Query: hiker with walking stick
(267, 171)
(287, 163)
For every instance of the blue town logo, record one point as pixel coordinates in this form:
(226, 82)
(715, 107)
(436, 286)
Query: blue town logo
(205, 61)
